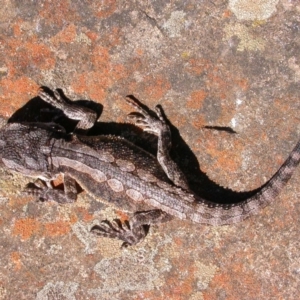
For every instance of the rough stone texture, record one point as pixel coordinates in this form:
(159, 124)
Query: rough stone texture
(208, 63)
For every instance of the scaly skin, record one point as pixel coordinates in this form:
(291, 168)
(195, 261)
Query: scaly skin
(124, 175)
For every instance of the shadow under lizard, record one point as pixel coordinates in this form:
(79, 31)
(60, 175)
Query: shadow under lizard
(112, 168)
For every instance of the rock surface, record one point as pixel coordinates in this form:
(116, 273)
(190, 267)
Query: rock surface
(222, 64)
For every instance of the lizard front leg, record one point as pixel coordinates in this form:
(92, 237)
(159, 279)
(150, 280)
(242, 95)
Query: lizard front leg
(133, 231)
(86, 117)
(46, 193)
(156, 124)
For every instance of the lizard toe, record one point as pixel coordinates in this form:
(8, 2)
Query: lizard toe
(130, 235)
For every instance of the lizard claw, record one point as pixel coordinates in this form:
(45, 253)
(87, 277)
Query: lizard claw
(137, 118)
(56, 100)
(152, 122)
(36, 190)
(130, 235)
(47, 193)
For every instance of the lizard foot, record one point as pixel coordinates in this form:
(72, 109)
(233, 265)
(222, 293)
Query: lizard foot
(45, 193)
(134, 230)
(128, 233)
(151, 122)
(86, 117)
(36, 189)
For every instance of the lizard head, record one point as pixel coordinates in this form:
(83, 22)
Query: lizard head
(24, 148)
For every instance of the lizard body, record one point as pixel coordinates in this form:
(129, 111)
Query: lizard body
(112, 168)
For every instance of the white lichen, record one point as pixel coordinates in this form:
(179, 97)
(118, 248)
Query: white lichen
(58, 290)
(253, 10)
(246, 40)
(175, 23)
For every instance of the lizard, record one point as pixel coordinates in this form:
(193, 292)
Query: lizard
(112, 168)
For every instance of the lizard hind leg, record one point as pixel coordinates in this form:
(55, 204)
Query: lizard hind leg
(133, 231)
(156, 123)
(47, 193)
(122, 231)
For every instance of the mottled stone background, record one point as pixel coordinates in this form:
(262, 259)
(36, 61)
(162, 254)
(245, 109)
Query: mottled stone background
(217, 63)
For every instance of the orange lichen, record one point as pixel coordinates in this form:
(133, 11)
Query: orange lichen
(105, 8)
(16, 259)
(73, 219)
(197, 66)
(17, 89)
(155, 87)
(17, 29)
(58, 13)
(95, 84)
(242, 83)
(227, 13)
(57, 228)
(199, 122)
(67, 35)
(15, 201)
(34, 54)
(216, 82)
(221, 82)
(26, 228)
(112, 37)
(118, 72)
(179, 120)
(175, 287)
(84, 215)
(178, 241)
(139, 51)
(196, 99)
(247, 286)
(226, 163)
(93, 36)
(101, 59)
(229, 160)
(22, 85)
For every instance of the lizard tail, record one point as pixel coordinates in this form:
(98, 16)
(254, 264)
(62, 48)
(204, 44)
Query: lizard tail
(221, 214)
(270, 190)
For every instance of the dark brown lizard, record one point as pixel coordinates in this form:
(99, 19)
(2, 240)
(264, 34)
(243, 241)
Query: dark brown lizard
(113, 169)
